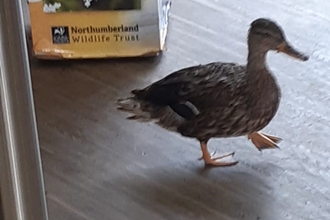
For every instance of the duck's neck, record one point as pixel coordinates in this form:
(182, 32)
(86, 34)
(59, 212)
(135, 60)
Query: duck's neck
(262, 89)
(256, 62)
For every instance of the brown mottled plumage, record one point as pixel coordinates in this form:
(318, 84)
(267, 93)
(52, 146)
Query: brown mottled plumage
(218, 99)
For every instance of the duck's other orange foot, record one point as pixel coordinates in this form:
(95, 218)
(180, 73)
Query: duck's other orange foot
(264, 141)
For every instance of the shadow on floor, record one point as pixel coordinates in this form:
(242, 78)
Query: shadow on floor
(203, 194)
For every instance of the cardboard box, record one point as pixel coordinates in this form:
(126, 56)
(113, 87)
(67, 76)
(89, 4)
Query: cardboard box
(71, 29)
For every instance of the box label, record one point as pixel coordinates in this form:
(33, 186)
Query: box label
(67, 29)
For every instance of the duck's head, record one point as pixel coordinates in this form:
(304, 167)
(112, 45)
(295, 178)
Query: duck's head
(266, 35)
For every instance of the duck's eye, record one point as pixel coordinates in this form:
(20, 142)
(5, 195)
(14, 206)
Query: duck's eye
(264, 34)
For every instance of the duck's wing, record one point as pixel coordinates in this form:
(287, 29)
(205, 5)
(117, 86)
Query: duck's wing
(170, 89)
(190, 90)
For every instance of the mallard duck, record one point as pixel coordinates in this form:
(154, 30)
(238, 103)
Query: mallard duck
(219, 100)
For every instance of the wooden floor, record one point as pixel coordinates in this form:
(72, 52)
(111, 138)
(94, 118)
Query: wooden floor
(98, 166)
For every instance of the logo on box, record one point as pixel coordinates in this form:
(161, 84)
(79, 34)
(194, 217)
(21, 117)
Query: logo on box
(61, 35)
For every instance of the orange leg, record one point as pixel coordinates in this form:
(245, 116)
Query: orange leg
(216, 161)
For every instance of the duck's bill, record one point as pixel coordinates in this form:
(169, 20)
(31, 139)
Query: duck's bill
(289, 50)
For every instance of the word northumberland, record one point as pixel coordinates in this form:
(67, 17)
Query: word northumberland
(104, 29)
